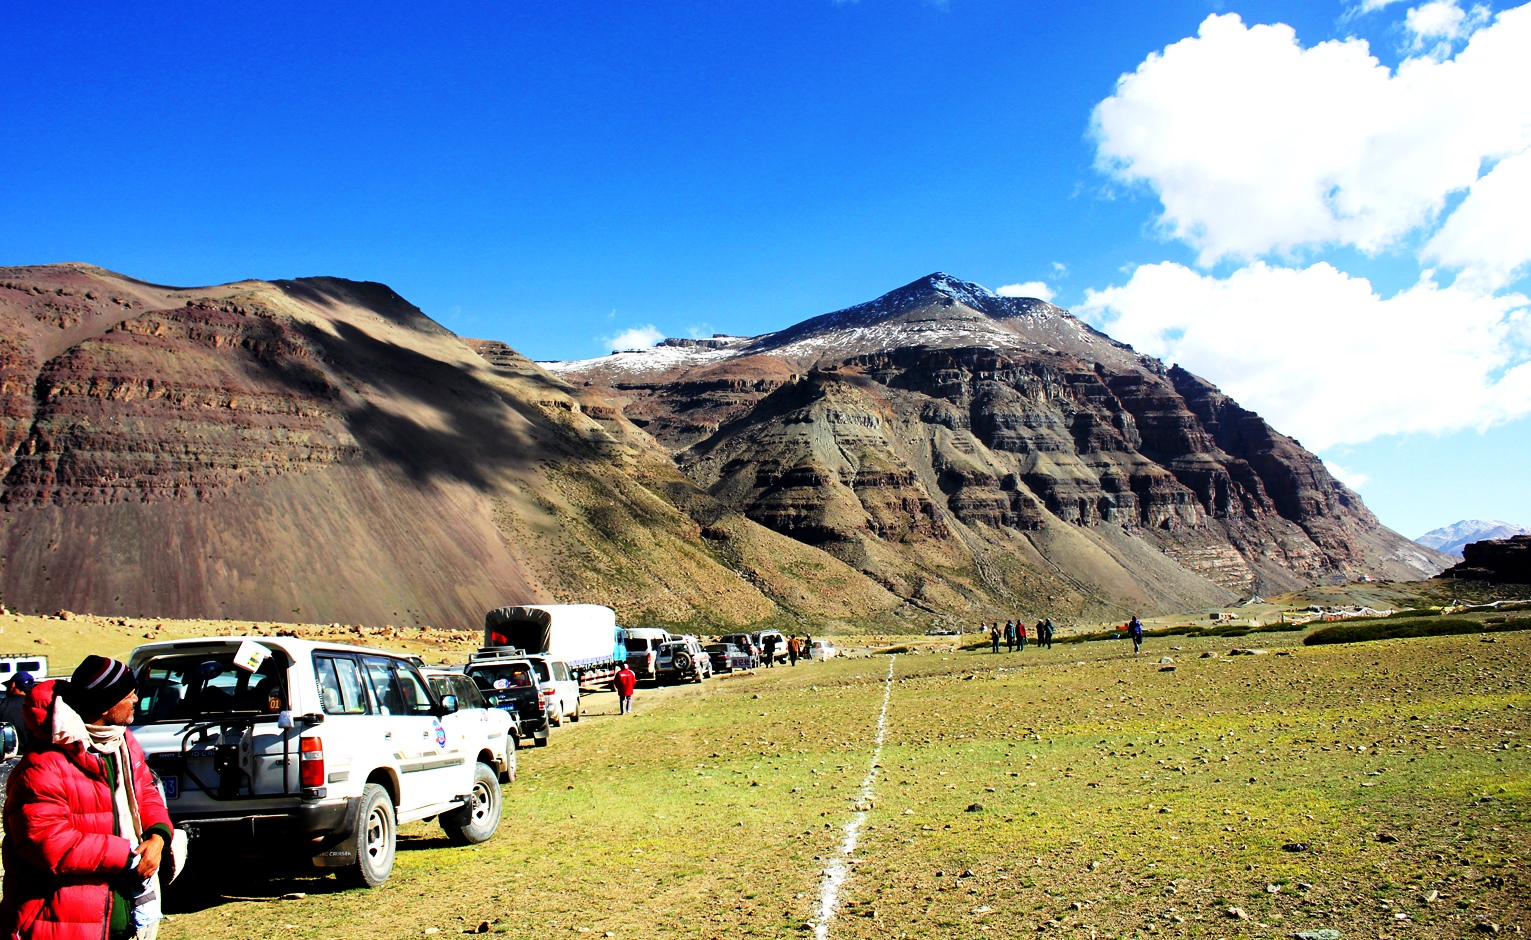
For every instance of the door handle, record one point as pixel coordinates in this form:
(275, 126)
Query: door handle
(387, 735)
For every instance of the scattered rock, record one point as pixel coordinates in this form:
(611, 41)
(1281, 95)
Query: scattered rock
(1240, 651)
(966, 873)
(42, 642)
(431, 930)
(1166, 659)
(294, 896)
(1296, 847)
(1166, 668)
(1272, 889)
(1430, 897)
(1095, 864)
(1386, 837)
(483, 927)
(975, 808)
(1322, 933)
(1237, 913)
(65, 615)
(1486, 927)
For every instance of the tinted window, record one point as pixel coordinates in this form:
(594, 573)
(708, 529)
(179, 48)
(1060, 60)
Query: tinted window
(396, 687)
(203, 685)
(340, 685)
(561, 672)
(542, 669)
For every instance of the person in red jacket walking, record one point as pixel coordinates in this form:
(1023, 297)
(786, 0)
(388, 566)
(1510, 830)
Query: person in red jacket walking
(85, 827)
(625, 682)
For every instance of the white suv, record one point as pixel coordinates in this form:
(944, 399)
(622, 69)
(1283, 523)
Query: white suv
(272, 745)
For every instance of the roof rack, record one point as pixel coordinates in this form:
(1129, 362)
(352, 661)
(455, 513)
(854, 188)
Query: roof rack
(496, 652)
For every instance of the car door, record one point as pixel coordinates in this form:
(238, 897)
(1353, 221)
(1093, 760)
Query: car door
(431, 764)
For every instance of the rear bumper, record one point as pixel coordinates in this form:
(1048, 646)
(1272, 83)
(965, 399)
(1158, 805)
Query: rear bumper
(313, 822)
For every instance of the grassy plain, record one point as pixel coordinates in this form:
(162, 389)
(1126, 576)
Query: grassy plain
(1075, 792)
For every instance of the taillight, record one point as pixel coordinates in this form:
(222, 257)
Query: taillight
(310, 762)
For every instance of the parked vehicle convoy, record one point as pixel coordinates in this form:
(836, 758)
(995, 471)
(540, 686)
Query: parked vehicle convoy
(583, 636)
(745, 642)
(276, 746)
(559, 688)
(726, 657)
(508, 681)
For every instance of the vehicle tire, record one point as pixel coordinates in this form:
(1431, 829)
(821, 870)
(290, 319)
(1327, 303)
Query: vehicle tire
(540, 739)
(555, 717)
(682, 663)
(377, 834)
(476, 823)
(511, 750)
(575, 716)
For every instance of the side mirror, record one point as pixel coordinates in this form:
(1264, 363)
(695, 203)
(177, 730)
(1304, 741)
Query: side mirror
(448, 704)
(10, 743)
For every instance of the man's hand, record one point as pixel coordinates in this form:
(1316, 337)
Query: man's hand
(149, 851)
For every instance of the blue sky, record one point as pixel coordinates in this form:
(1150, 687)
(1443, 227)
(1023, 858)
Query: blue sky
(557, 175)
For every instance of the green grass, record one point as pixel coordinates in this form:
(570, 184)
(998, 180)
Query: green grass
(1390, 629)
(1115, 798)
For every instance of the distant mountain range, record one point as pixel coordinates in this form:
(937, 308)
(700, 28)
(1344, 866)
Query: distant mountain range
(1451, 538)
(320, 450)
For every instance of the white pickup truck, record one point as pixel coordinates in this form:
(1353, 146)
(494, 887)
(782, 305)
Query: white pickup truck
(278, 746)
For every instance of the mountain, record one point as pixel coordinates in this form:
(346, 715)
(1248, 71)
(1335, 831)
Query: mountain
(319, 450)
(1451, 538)
(972, 451)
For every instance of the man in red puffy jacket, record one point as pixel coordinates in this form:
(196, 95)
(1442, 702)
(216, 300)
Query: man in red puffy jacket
(625, 683)
(85, 826)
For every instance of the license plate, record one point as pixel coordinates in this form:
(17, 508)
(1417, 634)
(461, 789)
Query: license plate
(172, 787)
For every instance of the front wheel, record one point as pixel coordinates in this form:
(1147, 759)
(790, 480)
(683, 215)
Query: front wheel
(575, 716)
(376, 838)
(477, 821)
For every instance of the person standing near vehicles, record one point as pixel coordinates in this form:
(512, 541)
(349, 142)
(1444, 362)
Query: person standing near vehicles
(994, 637)
(1135, 630)
(1045, 636)
(85, 826)
(1020, 635)
(626, 682)
(1009, 635)
(770, 648)
(13, 708)
(793, 648)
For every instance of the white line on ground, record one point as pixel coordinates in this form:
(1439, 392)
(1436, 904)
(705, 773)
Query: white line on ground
(838, 868)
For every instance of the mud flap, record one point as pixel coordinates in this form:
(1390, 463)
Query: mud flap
(342, 853)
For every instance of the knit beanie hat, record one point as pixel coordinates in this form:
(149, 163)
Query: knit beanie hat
(98, 684)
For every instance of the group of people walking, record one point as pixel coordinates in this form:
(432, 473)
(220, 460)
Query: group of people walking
(1014, 633)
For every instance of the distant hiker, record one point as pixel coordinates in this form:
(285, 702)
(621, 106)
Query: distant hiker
(805, 648)
(625, 683)
(793, 649)
(1020, 635)
(13, 707)
(1135, 630)
(85, 827)
(1045, 638)
(994, 637)
(1009, 635)
(770, 647)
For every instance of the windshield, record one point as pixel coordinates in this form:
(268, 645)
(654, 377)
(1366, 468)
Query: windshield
(498, 683)
(190, 686)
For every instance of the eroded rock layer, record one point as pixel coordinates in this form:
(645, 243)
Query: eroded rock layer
(942, 427)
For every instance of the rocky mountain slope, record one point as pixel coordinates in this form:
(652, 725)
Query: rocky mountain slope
(320, 450)
(1451, 538)
(969, 450)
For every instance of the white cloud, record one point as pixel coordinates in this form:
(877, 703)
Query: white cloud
(1256, 145)
(1439, 23)
(1368, 6)
(1489, 235)
(1323, 357)
(1037, 289)
(635, 337)
(1350, 478)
